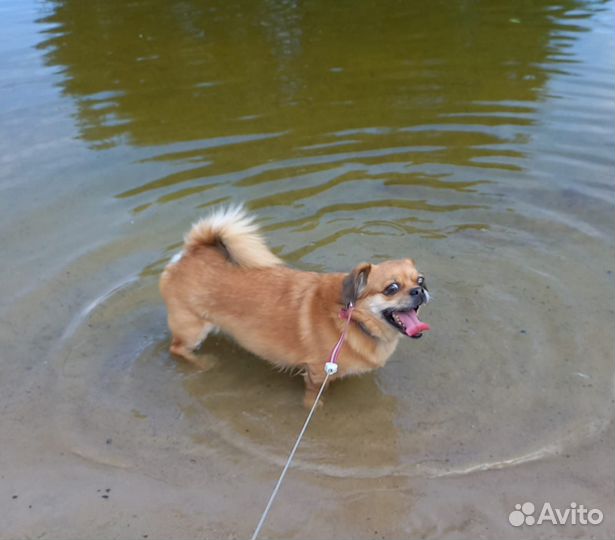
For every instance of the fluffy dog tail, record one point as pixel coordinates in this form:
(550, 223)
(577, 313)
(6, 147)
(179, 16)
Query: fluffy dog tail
(236, 234)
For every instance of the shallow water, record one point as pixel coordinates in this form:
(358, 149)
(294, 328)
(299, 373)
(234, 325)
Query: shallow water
(476, 138)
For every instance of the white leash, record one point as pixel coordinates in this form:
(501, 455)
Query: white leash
(330, 369)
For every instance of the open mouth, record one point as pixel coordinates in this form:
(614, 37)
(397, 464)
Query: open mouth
(406, 321)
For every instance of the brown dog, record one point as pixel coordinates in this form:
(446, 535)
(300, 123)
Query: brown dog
(227, 278)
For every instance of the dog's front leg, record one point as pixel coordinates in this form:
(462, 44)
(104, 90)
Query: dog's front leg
(314, 376)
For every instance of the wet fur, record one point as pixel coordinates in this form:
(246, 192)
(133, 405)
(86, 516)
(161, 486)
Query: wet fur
(227, 278)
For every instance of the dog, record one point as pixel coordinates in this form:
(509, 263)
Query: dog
(226, 278)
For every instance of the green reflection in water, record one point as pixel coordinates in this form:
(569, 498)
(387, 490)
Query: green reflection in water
(166, 71)
(321, 107)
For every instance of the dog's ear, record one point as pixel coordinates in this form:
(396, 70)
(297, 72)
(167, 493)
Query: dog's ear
(354, 283)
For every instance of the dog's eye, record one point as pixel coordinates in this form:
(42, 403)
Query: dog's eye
(420, 281)
(392, 289)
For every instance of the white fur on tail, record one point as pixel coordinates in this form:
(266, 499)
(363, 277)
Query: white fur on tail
(239, 234)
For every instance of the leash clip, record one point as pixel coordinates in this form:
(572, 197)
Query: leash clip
(330, 368)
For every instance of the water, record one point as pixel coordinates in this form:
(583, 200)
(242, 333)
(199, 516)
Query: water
(476, 138)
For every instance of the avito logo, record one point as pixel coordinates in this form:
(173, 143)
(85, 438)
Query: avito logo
(575, 514)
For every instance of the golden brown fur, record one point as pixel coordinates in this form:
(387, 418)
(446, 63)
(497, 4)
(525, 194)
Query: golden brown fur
(226, 277)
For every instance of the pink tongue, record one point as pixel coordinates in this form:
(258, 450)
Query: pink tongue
(412, 323)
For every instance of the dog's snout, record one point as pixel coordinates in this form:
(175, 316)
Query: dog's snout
(419, 296)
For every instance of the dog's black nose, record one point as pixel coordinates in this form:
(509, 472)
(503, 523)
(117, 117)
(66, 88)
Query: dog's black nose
(418, 297)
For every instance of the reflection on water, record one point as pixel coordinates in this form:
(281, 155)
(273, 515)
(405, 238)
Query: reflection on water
(474, 137)
(345, 102)
(396, 66)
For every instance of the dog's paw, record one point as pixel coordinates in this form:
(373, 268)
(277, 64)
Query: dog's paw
(205, 362)
(202, 362)
(308, 401)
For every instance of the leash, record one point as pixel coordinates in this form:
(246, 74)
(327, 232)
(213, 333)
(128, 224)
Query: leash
(330, 369)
